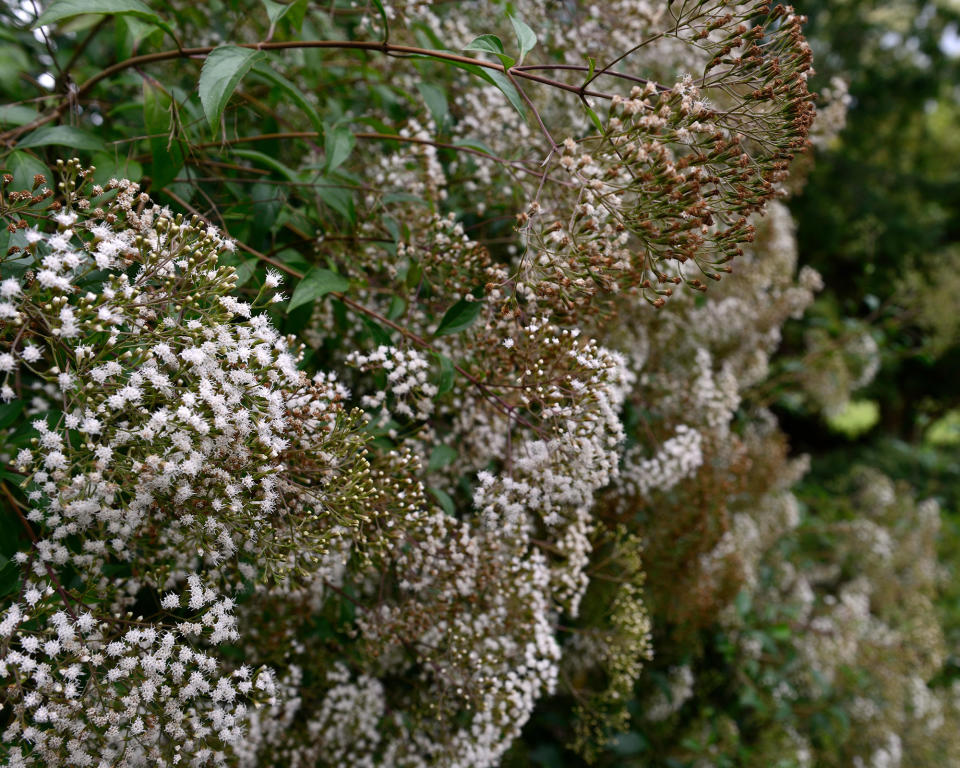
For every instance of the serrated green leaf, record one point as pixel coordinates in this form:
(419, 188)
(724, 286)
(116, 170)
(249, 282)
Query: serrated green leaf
(222, 72)
(316, 284)
(61, 10)
(165, 150)
(526, 37)
(459, 317)
(444, 500)
(62, 136)
(338, 143)
(436, 101)
(440, 456)
(262, 69)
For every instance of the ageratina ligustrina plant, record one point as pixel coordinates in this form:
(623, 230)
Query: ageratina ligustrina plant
(359, 524)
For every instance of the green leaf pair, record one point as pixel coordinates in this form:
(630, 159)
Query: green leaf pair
(526, 38)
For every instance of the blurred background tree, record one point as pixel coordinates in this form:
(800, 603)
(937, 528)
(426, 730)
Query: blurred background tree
(878, 216)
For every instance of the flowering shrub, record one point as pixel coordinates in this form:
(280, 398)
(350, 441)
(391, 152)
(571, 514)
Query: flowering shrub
(474, 460)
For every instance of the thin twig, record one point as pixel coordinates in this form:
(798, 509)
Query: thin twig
(359, 45)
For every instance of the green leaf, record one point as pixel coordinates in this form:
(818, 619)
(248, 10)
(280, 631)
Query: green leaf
(397, 307)
(338, 199)
(474, 144)
(276, 11)
(24, 167)
(436, 101)
(16, 114)
(403, 197)
(742, 602)
(414, 274)
(447, 372)
(487, 43)
(158, 118)
(338, 143)
(378, 333)
(446, 503)
(269, 74)
(67, 9)
(492, 76)
(383, 17)
(9, 413)
(459, 317)
(268, 200)
(316, 284)
(526, 37)
(392, 227)
(594, 117)
(9, 577)
(503, 83)
(268, 162)
(245, 271)
(491, 44)
(62, 136)
(221, 74)
(110, 166)
(131, 32)
(780, 632)
(440, 456)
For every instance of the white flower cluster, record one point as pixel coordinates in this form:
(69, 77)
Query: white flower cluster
(91, 693)
(407, 372)
(677, 459)
(667, 702)
(161, 456)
